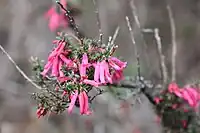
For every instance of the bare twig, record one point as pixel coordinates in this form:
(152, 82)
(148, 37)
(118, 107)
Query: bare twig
(138, 24)
(98, 21)
(115, 35)
(134, 43)
(174, 45)
(162, 57)
(71, 21)
(19, 69)
(100, 91)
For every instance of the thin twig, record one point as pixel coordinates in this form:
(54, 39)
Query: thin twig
(134, 43)
(71, 21)
(162, 57)
(98, 21)
(19, 69)
(138, 24)
(115, 35)
(174, 44)
(100, 91)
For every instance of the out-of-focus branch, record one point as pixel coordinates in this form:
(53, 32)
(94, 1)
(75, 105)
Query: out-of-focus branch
(98, 20)
(174, 44)
(135, 46)
(19, 69)
(138, 24)
(162, 57)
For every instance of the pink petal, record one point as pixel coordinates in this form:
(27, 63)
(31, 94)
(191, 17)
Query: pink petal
(116, 63)
(85, 59)
(81, 102)
(47, 68)
(61, 47)
(66, 61)
(102, 68)
(55, 67)
(73, 101)
(82, 71)
(63, 79)
(61, 74)
(86, 106)
(97, 72)
(187, 97)
(91, 82)
(179, 93)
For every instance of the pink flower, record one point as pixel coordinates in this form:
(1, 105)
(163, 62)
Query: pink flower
(55, 19)
(118, 67)
(117, 76)
(84, 65)
(104, 73)
(157, 100)
(191, 96)
(83, 101)
(97, 71)
(41, 112)
(91, 82)
(173, 88)
(56, 60)
(116, 63)
(73, 101)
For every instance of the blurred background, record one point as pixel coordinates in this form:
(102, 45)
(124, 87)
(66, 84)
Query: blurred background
(24, 33)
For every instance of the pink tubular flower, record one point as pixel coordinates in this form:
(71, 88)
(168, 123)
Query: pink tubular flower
(102, 73)
(82, 70)
(56, 60)
(55, 19)
(91, 82)
(73, 101)
(83, 101)
(118, 67)
(116, 63)
(97, 71)
(84, 65)
(191, 96)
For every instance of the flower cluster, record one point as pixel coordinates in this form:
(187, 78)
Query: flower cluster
(191, 95)
(76, 67)
(57, 17)
(181, 103)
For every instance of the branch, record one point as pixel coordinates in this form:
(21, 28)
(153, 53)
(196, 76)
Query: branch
(71, 21)
(19, 69)
(174, 45)
(115, 35)
(134, 43)
(99, 93)
(136, 18)
(98, 21)
(162, 57)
